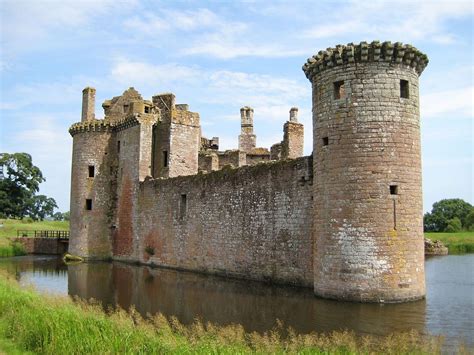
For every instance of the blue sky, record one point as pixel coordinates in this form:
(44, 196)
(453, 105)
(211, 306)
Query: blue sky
(218, 56)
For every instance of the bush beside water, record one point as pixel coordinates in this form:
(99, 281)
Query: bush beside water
(56, 325)
(12, 249)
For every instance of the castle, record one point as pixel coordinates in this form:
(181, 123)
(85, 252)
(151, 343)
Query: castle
(345, 221)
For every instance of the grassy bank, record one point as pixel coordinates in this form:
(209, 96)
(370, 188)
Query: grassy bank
(56, 325)
(461, 242)
(11, 226)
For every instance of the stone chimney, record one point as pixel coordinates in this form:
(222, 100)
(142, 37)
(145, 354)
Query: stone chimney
(88, 104)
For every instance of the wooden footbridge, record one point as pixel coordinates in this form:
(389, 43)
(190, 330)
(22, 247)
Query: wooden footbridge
(42, 234)
(44, 241)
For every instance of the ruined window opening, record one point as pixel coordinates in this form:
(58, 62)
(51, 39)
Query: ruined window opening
(183, 206)
(325, 141)
(339, 91)
(118, 146)
(393, 189)
(91, 170)
(165, 158)
(404, 89)
(125, 108)
(88, 204)
(147, 109)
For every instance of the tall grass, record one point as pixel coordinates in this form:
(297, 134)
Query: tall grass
(12, 249)
(56, 325)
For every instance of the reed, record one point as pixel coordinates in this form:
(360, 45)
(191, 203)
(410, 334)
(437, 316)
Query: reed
(58, 325)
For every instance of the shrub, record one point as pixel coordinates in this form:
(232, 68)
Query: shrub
(454, 225)
(469, 225)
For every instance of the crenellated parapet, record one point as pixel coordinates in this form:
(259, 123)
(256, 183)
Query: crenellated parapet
(91, 126)
(397, 53)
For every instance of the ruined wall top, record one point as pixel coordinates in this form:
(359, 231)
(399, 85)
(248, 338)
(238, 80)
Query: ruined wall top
(376, 51)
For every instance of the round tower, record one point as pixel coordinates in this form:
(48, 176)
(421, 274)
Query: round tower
(91, 184)
(368, 216)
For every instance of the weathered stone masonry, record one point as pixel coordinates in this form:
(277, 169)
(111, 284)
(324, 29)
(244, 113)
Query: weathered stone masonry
(353, 231)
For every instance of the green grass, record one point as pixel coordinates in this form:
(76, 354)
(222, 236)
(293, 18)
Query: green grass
(11, 226)
(457, 243)
(12, 249)
(57, 325)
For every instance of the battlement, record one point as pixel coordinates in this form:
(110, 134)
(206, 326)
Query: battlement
(376, 51)
(91, 126)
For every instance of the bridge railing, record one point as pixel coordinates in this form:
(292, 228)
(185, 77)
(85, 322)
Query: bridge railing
(43, 234)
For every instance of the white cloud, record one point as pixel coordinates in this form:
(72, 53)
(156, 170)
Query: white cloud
(453, 103)
(52, 93)
(402, 20)
(131, 73)
(26, 24)
(51, 148)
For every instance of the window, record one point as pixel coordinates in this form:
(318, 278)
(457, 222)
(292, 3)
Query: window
(325, 141)
(404, 89)
(183, 206)
(147, 109)
(125, 108)
(91, 171)
(339, 91)
(118, 146)
(165, 158)
(393, 189)
(88, 204)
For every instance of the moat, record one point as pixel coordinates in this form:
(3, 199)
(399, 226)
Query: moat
(447, 309)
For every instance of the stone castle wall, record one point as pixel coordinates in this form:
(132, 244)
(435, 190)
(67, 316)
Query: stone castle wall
(252, 222)
(360, 238)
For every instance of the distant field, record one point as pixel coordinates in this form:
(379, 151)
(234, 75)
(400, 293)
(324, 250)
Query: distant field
(10, 226)
(461, 242)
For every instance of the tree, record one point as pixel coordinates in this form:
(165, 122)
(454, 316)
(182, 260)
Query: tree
(58, 216)
(19, 182)
(445, 210)
(470, 221)
(41, 206)
(454, 225)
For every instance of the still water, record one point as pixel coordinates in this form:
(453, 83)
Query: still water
(448, 308)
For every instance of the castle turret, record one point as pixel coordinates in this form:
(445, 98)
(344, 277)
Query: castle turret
(91, 187)
(88, 104)
(368, 228)
(247, 139)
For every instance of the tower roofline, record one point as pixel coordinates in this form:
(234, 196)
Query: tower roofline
(376, 51)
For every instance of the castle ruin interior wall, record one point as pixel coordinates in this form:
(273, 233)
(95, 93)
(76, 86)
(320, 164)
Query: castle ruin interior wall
(253, 222)
(185, 141)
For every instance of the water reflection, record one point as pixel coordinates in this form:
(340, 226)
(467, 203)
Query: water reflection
(254, 305)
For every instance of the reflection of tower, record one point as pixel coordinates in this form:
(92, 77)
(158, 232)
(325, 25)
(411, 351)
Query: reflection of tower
(367, 172)
(92, 280)
(247, 140)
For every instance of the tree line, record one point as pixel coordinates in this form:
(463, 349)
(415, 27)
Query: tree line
(449, 215)
(19, 185)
